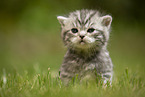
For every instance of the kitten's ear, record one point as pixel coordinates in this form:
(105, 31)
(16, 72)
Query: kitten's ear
(106, 21)
(62, 20)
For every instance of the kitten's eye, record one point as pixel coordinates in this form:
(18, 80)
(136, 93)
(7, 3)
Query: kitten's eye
(90, 30)
(74, 30)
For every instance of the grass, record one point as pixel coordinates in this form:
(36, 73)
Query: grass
(25, 57)
(48, 85)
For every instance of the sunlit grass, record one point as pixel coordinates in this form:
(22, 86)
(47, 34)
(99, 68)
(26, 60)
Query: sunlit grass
(26, 54)
(49, 85)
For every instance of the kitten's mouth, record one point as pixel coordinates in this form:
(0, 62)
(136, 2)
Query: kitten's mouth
(82, 42)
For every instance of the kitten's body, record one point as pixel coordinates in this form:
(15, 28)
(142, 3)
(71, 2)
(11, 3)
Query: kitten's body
(86, 33)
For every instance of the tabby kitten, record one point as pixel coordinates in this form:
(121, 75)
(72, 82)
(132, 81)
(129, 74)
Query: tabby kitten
(86, 33)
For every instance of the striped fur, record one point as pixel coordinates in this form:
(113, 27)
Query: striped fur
(86, 44)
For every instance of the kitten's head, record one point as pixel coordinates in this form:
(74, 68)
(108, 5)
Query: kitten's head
(84, 29)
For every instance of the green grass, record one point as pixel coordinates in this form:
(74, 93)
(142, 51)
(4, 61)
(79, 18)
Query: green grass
(30, 43)
(25, 57)
(49, 85)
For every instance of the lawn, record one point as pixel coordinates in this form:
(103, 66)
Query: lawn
(30, 62)
(48, 85)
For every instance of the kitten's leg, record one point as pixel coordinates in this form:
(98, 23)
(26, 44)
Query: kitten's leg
(107, 76)
(65, 76)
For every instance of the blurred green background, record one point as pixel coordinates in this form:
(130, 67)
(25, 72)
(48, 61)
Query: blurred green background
(30, 33)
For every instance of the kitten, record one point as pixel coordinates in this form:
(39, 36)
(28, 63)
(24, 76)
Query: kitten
(85, 34)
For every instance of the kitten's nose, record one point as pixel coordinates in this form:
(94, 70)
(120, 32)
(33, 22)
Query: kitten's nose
(82, 37)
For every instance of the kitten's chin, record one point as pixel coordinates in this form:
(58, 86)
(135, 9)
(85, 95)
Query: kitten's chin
(81, 42)
(82, 45)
